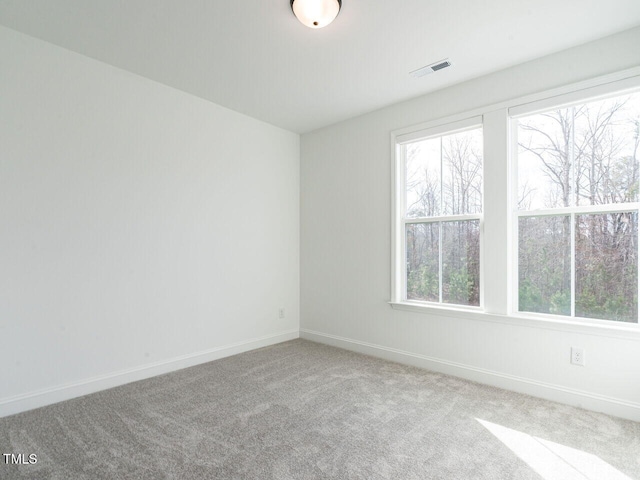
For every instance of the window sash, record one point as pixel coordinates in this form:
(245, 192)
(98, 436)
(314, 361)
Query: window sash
(443, 218)
(440, 221)
(585, 209)
(572, 213)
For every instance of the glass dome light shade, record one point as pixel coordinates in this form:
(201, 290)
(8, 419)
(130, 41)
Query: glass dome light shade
(316, 13)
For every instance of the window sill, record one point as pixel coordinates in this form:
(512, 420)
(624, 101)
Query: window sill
(616, 330)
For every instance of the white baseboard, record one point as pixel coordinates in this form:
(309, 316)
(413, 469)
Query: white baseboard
(31, 400)
(557, 393)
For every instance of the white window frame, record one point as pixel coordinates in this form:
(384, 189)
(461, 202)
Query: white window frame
(604, 91)
(400, 140)
(498, 241)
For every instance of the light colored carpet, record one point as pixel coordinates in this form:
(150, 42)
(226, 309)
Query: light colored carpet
(300, 410)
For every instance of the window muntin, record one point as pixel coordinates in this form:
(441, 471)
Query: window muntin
(577, 209)
(442, 192)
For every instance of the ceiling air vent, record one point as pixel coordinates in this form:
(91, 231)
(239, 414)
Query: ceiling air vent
(434, 67)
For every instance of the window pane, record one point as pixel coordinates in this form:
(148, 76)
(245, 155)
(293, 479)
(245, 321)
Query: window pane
(423, 262)
(544, 160)
(423, 178)
(607, 266)
(606, 144)
(580, 155)
(444, 175)
(544, 264)
(462, 172)
(461, 262)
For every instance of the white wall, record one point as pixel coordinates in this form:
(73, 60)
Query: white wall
(346, 253)
(141, 229)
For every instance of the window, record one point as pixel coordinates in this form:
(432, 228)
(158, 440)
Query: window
(577, 209)
(440, 200)
(524, 211)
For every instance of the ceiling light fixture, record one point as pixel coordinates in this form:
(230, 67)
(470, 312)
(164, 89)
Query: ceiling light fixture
(316, 13)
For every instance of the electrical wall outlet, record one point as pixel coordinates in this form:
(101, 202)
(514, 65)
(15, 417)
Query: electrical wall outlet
(577, 356)
(281, 313)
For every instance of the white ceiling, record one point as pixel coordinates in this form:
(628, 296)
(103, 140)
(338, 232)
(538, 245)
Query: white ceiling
(254, 57)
